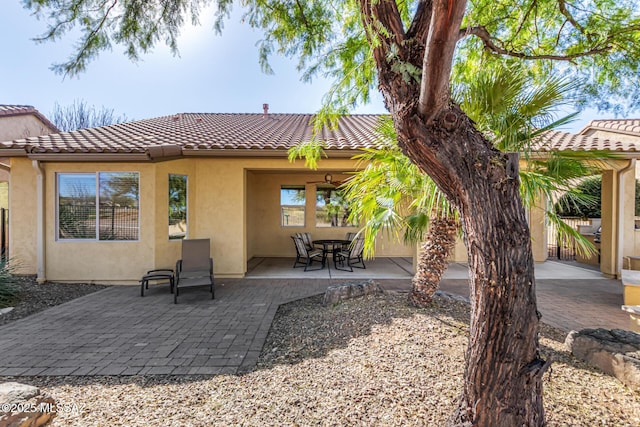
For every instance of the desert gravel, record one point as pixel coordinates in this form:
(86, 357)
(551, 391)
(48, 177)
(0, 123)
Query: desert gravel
(372, 361)
(35, 297)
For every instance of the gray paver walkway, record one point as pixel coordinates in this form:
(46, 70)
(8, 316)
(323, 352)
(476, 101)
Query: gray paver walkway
(116, 332)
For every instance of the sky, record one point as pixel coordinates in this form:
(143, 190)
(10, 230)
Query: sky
(212, 74)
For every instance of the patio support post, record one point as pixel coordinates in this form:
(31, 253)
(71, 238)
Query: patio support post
(40, 236)
(610, 222)
(626, 199)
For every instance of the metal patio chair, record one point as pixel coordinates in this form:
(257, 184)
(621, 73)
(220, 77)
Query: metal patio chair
(352, 256)
(306, 239)
(306, 256)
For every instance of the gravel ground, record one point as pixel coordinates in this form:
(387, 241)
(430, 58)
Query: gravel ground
(35, 297)
(373, 361)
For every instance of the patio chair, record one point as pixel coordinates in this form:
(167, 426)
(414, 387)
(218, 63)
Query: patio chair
(306, 256)
(349, 236)
(353, 256)
(196, 266)
(306, 239)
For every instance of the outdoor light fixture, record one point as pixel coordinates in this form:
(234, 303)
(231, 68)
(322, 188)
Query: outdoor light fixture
(328, 177)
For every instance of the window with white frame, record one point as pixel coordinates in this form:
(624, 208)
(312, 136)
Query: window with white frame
(98, 206)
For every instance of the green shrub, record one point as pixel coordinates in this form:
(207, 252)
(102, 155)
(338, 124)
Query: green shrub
(584, 201)
(8, 285)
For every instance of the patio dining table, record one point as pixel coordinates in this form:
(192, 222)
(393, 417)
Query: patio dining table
(332, 246)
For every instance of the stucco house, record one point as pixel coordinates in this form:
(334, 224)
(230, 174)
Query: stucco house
(106, 204)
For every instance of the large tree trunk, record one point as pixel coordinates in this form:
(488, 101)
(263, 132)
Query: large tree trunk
(433, 260)
(503, 373)
(503, 384)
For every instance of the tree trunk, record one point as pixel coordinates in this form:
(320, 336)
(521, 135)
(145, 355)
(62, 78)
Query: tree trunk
(433, 260)
(503, 374)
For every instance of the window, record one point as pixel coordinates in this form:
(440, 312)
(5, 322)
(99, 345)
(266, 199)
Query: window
(292, 206)
(177, 206)
(331, 208)
(98, 206)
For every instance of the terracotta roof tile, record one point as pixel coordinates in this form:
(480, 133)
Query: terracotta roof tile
(561, 141)
(199, 131)
(206, 132)
(630, 126)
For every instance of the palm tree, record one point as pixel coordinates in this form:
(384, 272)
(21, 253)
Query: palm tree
(392, 194)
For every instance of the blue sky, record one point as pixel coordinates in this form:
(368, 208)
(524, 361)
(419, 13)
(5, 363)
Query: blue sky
(213, 74)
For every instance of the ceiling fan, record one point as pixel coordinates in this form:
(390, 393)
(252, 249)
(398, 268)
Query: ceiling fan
(328, 179)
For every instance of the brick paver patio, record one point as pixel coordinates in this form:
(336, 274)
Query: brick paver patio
(117, 332)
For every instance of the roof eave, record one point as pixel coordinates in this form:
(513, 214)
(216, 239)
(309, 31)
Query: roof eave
(13, 152)
(617, 154)
(90, 157)
(262, 152)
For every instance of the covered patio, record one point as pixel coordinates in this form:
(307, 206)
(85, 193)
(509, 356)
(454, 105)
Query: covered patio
(282, 268)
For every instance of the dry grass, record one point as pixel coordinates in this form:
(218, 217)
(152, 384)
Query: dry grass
(371, 361)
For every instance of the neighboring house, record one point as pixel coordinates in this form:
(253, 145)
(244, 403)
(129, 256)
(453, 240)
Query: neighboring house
(106, 204)
(18, 121)
(622, 138)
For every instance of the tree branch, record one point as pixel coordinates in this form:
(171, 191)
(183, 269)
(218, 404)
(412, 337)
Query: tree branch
(563, 9)
(384, 17)
(491, 45)
(88, 40)
(445, 24)
(421, 21)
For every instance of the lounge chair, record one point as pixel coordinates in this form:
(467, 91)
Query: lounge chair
(306, 256)
(353, 256)
(196, 266)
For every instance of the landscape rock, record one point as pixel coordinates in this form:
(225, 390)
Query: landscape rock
(22, 405)
(616, 352)
(337, 293)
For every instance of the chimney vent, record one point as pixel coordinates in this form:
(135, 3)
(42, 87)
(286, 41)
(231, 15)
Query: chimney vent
(265, 109)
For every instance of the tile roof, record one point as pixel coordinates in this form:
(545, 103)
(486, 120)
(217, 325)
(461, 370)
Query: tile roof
(628, 126)
(206, 133)
(199, 131)
(562, 141)
(22, 110)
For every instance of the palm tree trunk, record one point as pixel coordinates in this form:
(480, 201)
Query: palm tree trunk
(433, 260)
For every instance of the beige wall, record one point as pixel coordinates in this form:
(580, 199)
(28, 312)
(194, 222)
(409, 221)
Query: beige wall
(22, 208)
(538, 231)
(220, 213)
(4, 194)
